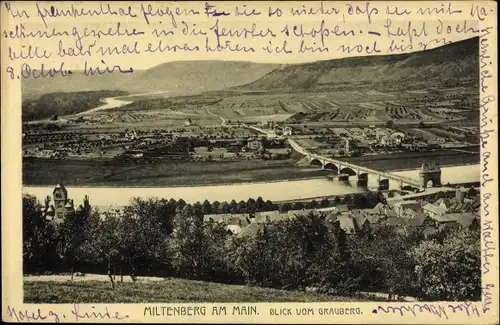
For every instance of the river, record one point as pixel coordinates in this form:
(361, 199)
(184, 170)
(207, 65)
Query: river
(274, 191)
(115, 102)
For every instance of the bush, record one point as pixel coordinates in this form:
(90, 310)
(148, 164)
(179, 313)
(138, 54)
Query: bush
(450, 270)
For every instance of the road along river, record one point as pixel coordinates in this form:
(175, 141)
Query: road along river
(274, 191)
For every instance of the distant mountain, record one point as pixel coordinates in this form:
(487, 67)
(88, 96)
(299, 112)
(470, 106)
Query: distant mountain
(448, 65)
(175, 78)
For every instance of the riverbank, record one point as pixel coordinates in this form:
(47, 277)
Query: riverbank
(413, 160)
(46, 172)
(111, 173)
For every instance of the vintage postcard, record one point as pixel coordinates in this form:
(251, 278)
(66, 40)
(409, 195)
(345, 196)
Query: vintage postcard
(250, 162)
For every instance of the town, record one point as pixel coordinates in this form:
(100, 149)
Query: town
(429, 213)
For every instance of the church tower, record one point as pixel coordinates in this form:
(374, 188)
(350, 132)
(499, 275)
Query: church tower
(60, 195)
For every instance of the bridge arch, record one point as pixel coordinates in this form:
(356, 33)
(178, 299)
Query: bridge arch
(383, 184)
(348, 171)
(332, 166)
(363, 176)
(316, 162)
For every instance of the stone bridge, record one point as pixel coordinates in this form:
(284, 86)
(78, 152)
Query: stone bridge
(344, 170)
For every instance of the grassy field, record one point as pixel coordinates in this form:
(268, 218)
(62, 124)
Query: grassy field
(168, 173)
(169, 290)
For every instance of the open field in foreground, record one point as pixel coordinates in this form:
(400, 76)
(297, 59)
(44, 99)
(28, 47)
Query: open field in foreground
(168, 290)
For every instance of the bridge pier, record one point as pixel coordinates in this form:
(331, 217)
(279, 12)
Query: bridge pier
(362, 179)
(343, 177)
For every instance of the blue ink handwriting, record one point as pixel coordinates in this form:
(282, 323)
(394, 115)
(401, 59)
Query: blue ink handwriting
(98, 315)
(54, 12)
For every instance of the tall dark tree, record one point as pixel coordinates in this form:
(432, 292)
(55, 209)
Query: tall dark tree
(325, 203)
(39, 239)
(251, 205)
(298, 206)
(242, 207)
(259, 204)
(216, 207)
(207, 207)
(285, 207)
(186, 245)
(268, 206)
(233, 206)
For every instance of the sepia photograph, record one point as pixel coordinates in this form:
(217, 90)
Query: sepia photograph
(350, 179)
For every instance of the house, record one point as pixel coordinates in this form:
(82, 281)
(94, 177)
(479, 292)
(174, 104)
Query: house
(252, 229)
(232, 222)
(457, 206)
(271, 134)
(341, 208)
(296, 213)
(443, 203)
(432, 210)
(188, 122)
(373, 218)
(287, 131)
(236, 223)
(267, 216)
(217, 218)
(347, 224)
(464, 220)
(254, 144)
(401, 206)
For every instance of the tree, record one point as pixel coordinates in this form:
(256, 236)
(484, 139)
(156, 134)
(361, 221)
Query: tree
(298, 206)
(312, 204)
(389, 124)
(213, 265)
(242, 207)
(39, 239)
(251, 206)
(268, 206)
(207, 207)
(437, 267)
(73, 234)
(325, 203)
(285, 207)
(381, 259)
(259, 204)
(310, 258)
(143, 244)
(233, 206)
(471, 192)
(180, 205)
(216, 207)
(225, 207)
(186, 245)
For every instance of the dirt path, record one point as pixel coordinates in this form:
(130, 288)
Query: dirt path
(88, 277)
